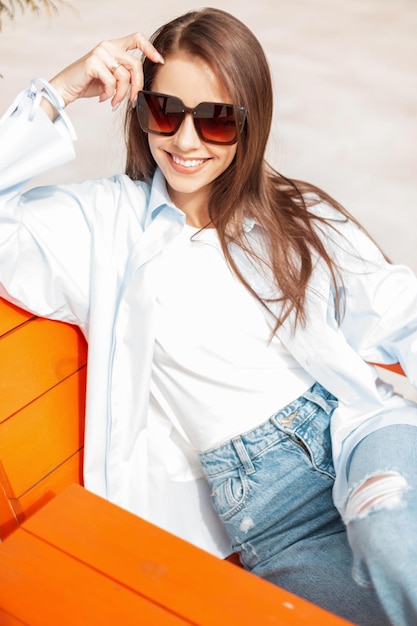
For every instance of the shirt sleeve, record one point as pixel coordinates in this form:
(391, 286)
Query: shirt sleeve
(44, 237)
(378, 302)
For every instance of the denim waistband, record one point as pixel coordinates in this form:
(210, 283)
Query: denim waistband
(246, 446)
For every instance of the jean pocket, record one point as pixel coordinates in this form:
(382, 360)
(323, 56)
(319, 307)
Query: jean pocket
(229, 492)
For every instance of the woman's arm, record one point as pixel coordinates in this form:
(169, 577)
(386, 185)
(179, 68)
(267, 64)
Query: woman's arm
(379, 302)
(46, 233)
(109, 71)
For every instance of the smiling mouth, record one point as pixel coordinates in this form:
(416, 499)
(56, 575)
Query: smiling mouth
(187, 162)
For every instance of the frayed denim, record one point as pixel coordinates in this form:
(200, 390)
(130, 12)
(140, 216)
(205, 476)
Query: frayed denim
(381, 518)
(272, 488)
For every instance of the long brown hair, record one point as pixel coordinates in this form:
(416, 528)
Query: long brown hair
(249, 187)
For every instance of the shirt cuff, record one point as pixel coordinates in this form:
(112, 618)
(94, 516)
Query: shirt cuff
(30, 143)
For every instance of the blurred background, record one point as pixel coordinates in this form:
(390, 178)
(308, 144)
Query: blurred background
(345, 78)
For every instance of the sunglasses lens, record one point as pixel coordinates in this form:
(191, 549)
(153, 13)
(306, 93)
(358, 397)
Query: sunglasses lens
(163, 115)
(216, 122)
(159, 114)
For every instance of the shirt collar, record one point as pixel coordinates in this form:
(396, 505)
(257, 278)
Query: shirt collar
(159, 200)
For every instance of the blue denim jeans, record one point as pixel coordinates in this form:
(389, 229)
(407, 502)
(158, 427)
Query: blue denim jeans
(382, 518)
(272, 488)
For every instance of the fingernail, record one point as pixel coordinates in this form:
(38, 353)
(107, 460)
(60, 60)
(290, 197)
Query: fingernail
(116, 106)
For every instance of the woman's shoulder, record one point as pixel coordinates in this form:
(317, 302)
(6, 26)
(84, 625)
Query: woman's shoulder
(124, 184)
(342, 233)
(100, 200)
(113, 191)
(323, 208)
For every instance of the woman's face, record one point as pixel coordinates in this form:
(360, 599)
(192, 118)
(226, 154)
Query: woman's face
(189, 164)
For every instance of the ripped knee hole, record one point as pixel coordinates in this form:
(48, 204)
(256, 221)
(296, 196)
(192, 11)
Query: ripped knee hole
(380, 491)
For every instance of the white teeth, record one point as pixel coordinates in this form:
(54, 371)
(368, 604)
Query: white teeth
(188, 162)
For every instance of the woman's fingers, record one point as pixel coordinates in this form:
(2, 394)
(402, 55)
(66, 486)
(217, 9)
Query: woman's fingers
(122, 79)
(127, 67)
(138, 43)
(110, 71)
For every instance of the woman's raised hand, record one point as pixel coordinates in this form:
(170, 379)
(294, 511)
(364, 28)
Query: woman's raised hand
(110, 70)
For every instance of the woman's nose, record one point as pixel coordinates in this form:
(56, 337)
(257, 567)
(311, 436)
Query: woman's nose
(186, 137)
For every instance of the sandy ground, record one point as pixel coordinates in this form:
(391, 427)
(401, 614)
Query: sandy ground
(345, 75)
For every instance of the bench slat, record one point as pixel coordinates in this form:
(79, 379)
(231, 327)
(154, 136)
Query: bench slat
(43, 435)
(34, 358)
(43, 587)
(11, 316)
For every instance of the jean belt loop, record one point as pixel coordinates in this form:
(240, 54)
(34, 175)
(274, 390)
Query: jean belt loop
(327, 404)
(243, 455)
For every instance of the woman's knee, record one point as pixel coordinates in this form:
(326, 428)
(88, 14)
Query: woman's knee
(382, 490)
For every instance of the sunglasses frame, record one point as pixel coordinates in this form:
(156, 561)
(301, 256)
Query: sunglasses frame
(239, 115)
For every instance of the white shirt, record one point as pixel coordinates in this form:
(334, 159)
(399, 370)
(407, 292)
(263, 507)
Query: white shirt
(215, 369)
(90, 254)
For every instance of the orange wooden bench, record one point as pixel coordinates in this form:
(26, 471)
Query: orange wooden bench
(42, 390)
(82, 561)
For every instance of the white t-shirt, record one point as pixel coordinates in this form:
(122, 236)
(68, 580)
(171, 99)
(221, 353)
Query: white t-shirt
(215, 373)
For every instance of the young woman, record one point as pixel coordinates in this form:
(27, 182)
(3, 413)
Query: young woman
(231, 316)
